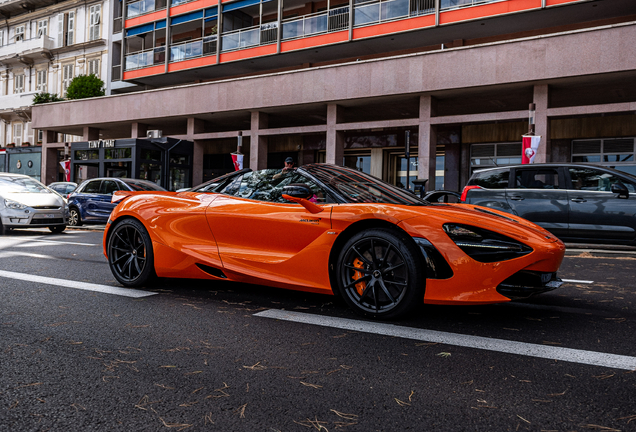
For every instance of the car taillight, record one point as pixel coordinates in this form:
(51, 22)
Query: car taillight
(465, 191)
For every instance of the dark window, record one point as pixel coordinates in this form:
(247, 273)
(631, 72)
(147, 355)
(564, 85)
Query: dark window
(537, 178)
(494, 179)
(92, 187)
(108, 187)
(591, 179)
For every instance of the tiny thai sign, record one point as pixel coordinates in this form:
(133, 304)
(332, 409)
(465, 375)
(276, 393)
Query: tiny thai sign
(101, 143)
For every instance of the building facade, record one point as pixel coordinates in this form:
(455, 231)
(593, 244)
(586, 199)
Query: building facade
(44, 44)
(357, 83)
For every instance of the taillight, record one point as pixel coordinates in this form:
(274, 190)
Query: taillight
(465, 191)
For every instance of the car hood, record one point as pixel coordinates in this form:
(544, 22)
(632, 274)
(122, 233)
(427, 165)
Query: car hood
(36, 199)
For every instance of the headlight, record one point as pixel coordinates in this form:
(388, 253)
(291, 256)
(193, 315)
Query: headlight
(14, 204)
(485, 246)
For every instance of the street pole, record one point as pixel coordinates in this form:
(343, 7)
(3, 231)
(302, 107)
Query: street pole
(531, 113)
(407, 155)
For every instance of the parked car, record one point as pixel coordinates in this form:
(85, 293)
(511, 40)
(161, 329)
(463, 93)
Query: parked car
(91, 201)
(27, 203)
(334, 230)
(63, 188)
(576, 202)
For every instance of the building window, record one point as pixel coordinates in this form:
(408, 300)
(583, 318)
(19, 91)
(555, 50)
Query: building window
(616, 153)
(18, 84)
(94, 21)
(43, 28)
(65, 29)
(93, 67)
(17, 133)
(67, 76)
(1, 37)
(493, 155)
(19, 33)
(41, 80)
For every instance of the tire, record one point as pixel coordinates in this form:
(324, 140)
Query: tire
(130, 254)
(57, 229)
(74, 218)
(3, 231)
(379, 274)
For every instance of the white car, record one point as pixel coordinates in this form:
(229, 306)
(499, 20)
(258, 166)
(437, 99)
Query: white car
(27, 203)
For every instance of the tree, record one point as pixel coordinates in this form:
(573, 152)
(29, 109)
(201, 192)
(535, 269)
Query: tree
(85, 86)
(44, 97)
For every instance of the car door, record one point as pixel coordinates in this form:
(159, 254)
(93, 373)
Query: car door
(258, 232)
(103, 203)
(88, 200)
(539, 195)
(596, 212)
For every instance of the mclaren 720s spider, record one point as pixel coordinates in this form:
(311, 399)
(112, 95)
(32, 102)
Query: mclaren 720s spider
(332, 230)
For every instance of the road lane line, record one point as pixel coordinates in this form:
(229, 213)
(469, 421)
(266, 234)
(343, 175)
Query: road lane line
(107, 289)
(490, 344)
(577, 281)
(55, 242)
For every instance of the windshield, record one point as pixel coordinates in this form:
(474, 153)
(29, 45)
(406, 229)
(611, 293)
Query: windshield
(142, 185)
(358, 187)
(21, 185)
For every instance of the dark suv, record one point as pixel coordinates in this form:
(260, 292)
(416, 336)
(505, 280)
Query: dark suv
(576, 202)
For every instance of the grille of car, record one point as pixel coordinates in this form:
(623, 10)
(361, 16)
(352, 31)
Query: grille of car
(46, 207)
(47, 222)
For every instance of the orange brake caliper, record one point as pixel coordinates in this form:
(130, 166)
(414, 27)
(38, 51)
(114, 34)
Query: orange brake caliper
(360, 286)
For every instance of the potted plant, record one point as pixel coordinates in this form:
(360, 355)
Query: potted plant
(26, 144)
(10, 145)
(39, 143)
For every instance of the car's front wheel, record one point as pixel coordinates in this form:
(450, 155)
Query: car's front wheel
(57, 229)
(130, 254)
(380, 273)
(74, 218)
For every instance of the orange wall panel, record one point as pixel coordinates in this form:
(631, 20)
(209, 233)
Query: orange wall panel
(192, 6)
(134, 22)
(394, 27)
(314, 41)
(560, 2)
(139, 73)
(487, 10)
(248, 53)
(193, 63)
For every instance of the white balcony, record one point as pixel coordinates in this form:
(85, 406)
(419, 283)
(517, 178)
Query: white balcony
(27, 50)
(16, 101)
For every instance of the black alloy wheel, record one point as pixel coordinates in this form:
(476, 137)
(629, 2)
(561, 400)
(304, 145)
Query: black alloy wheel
(130, 254)
(74, 218)
(380, 273)
(57, 229)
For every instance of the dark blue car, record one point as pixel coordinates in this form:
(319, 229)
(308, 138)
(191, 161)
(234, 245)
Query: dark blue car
(90, 202)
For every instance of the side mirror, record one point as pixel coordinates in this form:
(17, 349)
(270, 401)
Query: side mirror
(620, 189)
(298, 190)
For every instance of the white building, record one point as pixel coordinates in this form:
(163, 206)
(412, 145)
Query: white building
(43, 45)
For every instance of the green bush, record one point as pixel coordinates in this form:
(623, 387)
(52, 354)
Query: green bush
(44, 97)
(85, 86)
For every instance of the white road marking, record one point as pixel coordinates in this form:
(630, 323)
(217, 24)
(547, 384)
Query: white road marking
(107, 289)
(26, 254)
(55, 242)
(498, 345)
(577, 281)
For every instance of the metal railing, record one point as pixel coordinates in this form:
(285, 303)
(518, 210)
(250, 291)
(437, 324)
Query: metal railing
(422, 7)
(321, 22)
(142, 59)
(451, 4)
(384, 10)
(249, 37)
(191, 49)
(143, 7)
(116, 73)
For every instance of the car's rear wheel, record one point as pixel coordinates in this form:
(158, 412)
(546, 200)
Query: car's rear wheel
(74, 218)
(130, 254)
(57, 229)
(380, 273)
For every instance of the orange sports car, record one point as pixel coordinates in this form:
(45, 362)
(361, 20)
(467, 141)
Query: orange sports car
(333, 230)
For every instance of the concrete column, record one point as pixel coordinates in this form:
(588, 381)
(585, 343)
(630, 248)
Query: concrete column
(138, 130)
(48, 167)
(335, 139)
(90, 133)
(452, 163)
(427, 142)
(377, 162)
(196, 126)
(542, 126)
(258, 144)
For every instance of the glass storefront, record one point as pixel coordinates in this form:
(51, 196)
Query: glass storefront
(24, 160)
(617, 153)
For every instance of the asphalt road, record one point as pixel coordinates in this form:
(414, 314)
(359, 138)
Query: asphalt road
(198, 356)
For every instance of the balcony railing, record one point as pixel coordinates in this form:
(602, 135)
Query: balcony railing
(17, 100)
(422, 7)
(252, 36)
(191, 49)
(142, 59)
(34, 45)
(374, 12)
(451, 4)
(142, 7)
(321, 22)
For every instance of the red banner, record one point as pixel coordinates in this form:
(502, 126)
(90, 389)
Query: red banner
(530, 145)
(237, 159)
(66, 166)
